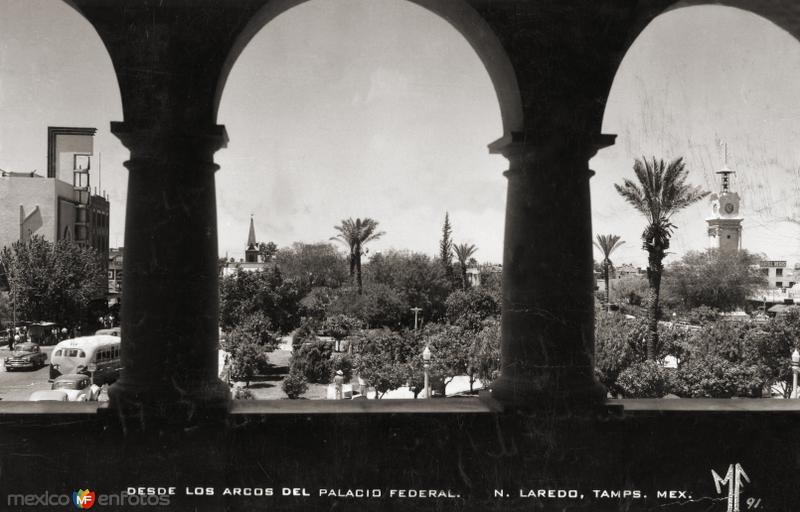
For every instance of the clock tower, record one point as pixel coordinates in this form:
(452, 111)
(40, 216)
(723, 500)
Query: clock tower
(725, 222)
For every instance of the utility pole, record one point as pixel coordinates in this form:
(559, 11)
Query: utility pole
(416, 312)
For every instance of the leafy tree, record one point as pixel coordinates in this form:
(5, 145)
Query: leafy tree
(377, 306)
(52, 280)
(469, 308)
(719, 280)
(339, 327)
(385, 359)
(266, 291)
(317, 301)
(267, 250)
(450, 350)
(770, 345)
(247, 353)
(420, 282)
(607, 245)
(464, 253)
(484, 353)
(258, 327)
(446, 247)
(660, 193)
(312, 266)
(492, 281)
(355, 234)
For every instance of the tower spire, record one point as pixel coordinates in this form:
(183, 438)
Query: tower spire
(251, 252)
(725, 172)
(251, 237)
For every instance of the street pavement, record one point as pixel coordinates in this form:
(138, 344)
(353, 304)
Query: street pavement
(19, 384)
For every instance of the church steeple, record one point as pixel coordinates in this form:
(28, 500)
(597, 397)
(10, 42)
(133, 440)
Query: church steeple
(251, 252)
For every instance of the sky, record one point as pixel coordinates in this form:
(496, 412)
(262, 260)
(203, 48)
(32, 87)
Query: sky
(378, 108)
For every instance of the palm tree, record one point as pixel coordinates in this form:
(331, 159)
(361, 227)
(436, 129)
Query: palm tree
(463, 253)
(607, 244)
(355, 234)
(661, 192)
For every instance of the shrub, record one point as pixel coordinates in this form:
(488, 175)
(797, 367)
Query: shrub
(714, 377)
(240, 393)
(294, 385)
(646, 379)
(313, 361)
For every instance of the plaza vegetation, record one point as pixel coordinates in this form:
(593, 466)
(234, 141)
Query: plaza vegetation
(716, 357)
(356, 316)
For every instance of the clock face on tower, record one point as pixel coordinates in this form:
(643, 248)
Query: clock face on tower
(729, 208)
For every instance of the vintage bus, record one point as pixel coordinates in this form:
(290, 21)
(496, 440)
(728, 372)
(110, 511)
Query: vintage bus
(81, 355)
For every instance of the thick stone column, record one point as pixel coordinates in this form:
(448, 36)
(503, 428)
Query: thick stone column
(170, 288)
(548, 304)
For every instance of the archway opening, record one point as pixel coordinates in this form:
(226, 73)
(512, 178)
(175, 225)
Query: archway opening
(345, 110)
(62, 174)
(715, 86)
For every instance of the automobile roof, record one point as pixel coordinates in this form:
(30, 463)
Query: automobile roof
(71, 377)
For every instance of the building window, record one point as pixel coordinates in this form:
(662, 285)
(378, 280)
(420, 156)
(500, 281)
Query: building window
(778, 272)
(778, 284)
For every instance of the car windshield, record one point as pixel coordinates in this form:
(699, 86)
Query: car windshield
(70, 384)
(24, 349)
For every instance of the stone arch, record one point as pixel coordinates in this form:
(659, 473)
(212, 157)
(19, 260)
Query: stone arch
(456, 12)
(784, 14)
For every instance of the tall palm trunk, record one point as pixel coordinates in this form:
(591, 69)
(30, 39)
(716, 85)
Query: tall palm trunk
(608, 290)
(359, 283)
(654, 279)
(464, 282)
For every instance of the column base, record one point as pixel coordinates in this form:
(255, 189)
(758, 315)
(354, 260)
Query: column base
(548, 391)
(155, 407)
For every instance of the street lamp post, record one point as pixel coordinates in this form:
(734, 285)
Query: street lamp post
(426, 363)
(795, 371)
(416, 312)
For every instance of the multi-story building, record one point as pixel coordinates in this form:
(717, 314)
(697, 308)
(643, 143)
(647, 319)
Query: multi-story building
(61, 205)
(778, 273)
(115, 258)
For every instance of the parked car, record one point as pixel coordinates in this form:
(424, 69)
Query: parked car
(48, 396)
(25, 355)
(72, 387)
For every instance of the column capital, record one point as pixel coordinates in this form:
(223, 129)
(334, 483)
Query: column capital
(526, 148)
(154, 138)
